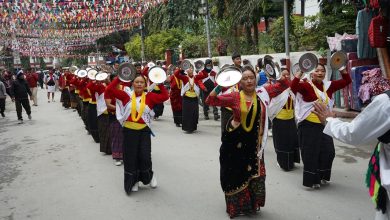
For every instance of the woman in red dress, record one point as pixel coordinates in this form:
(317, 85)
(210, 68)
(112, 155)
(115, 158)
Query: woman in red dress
(176, 99)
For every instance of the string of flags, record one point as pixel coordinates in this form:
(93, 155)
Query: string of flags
(44, 27)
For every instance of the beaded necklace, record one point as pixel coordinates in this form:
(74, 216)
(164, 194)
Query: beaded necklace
(177, 82)
(245, 110)
(318, 95)
(134, 115)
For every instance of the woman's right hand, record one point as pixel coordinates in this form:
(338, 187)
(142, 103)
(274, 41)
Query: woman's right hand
(298, 74)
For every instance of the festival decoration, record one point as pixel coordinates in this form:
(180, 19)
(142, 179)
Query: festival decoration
(58, 27)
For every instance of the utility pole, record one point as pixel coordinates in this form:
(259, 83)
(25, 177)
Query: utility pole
(141, 27)
(205, 10)
(97, 54)
(286, 34)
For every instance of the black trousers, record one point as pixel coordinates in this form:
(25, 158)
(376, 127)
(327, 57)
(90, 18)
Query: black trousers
(190, 114)
(2, 105)
(206, 108)
(8, 91)
(137, 157)
(26, 105)
(317, 150)
(177, 117)
(79, 105)
(286, 145)
(84, 114)
(93, 122)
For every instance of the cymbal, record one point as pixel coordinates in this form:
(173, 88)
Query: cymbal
(308, 62)
(157, 74)
(126, 72)
(338, 60)
(228, 76)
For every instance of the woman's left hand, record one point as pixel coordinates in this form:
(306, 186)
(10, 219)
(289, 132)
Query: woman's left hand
(343, 70)
(235, 124)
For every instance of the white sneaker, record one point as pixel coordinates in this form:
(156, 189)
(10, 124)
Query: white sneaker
(20, 121)
(325, 182)
(270, 133)
(118, 162)
(153, 182)
(135, 188)
(316, 186)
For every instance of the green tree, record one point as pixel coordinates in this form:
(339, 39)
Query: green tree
(157, 44)
(83, 61)
(194, 46)
(182, 14)
(42, 63)
(323, 25)
(117, 39)
(133, 47)
(295, 34)
(240, 18)
(277, 35)
(79, 62)
(339, 18)
(67, 62)
(25, 61)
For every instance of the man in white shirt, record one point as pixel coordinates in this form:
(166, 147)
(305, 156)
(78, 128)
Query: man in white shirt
(371, 124)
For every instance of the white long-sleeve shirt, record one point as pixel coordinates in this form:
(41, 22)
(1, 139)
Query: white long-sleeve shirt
(370, 124)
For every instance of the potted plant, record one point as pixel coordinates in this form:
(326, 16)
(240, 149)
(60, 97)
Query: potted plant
(323, 53)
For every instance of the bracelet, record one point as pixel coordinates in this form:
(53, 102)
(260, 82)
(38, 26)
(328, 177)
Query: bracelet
(218, 89)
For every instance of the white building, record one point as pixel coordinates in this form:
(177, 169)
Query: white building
(48, 61)
(35, 62)
(96, 59)
(17, 61)
(306, 7)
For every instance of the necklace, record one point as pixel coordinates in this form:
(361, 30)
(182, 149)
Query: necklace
(191, 82)
(289, 108)
(177, 82)
(134, 115)
(245, 110)
(318, 95)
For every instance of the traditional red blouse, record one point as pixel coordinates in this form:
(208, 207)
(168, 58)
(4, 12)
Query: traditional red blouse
(73, 82)
(185, 78)
(151, 98)
(205, 75)
(308, 92)
(91, 91)
(100, 87)
(173, 82)
(68, 78)
(82, 86)
(107, 95)
(232, 100)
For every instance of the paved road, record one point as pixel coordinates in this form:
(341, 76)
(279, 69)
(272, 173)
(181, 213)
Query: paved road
(51, 169)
